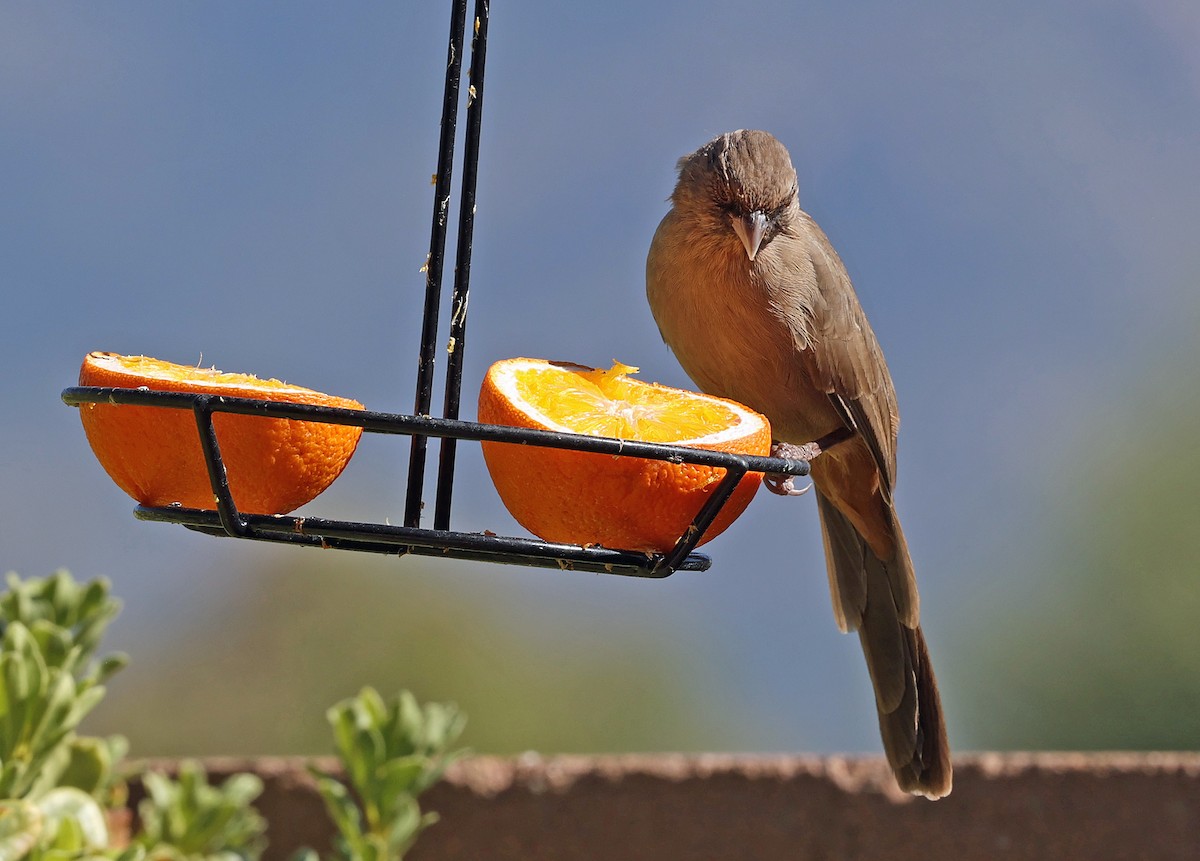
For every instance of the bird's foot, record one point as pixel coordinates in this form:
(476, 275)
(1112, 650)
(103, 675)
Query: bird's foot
(783, 484)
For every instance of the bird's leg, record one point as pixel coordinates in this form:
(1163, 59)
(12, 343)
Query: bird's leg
(782, 483)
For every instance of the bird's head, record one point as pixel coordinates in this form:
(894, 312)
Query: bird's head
(739, 184)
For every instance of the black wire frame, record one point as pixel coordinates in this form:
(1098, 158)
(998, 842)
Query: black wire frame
(410, 538)
(401, 540)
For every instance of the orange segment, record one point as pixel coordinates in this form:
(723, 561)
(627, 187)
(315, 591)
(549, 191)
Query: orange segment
(154, 453)
(586, 498)
(609, 403)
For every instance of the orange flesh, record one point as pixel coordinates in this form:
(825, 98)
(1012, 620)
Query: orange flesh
(608, 403)
(156, 369)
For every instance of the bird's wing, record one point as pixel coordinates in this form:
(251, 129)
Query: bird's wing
(843, 358)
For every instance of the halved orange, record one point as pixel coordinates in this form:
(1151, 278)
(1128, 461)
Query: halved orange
(154, 453)
(619, 501)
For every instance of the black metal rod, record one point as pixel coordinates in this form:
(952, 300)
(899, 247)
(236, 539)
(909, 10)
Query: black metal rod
(703, 519)
(433, 266)
(396, 423)
(385, 538)
(231, 520)
(462, 264)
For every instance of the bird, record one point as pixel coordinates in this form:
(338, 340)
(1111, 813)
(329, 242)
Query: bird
(757, 306)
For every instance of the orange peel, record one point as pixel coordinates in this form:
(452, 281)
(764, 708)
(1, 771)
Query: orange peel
(154, 453)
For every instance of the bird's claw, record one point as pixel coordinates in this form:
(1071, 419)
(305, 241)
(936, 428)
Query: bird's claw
(781, 483)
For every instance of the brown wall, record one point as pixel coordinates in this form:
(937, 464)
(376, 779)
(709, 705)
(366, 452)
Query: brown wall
(1013, 806)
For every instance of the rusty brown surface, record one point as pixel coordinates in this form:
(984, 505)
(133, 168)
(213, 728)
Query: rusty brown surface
(1004, 806)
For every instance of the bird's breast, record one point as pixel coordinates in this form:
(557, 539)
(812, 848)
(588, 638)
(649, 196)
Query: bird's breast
(733, 338)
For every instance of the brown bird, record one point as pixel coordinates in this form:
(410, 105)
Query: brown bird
(757, 306)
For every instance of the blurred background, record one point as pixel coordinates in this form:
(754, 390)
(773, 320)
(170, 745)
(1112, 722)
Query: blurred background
(1015, 191)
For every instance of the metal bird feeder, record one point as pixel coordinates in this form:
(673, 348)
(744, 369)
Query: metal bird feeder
(422, 425)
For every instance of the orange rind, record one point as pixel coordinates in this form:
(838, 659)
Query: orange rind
(154, 453)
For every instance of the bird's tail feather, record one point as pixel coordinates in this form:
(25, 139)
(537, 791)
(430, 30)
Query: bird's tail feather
(906, 695)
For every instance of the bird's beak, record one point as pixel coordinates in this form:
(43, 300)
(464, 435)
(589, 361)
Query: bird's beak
(751, 229)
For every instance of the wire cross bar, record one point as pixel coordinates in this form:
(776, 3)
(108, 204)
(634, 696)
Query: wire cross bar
(403, 540)
(385, 538)
(703, 519)
(400, 423)
(231, 519)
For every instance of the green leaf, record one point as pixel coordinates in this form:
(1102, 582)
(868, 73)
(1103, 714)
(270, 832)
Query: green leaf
(189, 817)
(158, 787)
(9, 732)
(85, 702)
(49, 628)
(88, 764)
(61, 593)
(54, 641)
(8, 777)
(133, 853)
(108, 665)
(73, 819)
(24, 672)
(372, 705)
(44, 771)
(94, 601)
(241, 789)
(71, 662)
(394, 782)
(18, 602)
(404, 827)
(391, 751)
(49, 715)
(21, 826)
(410, 727)
(64, 841)
(342, 809)
(359, 744)
(67, 618)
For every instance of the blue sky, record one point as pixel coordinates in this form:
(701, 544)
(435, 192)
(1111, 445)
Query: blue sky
(1014, 190)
